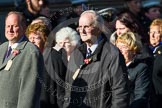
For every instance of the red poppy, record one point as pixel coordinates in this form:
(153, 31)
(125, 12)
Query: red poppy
(15, 52)
(87, 61)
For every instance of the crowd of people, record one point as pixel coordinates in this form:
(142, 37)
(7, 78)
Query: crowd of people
(104, 59)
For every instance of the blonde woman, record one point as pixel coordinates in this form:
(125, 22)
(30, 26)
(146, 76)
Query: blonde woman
(138, 70)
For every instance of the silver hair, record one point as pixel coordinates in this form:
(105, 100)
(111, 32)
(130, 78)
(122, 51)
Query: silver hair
(98, 21)
(70, 33)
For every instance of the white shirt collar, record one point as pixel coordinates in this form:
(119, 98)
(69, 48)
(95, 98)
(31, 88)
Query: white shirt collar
(15, 44)
(127, 64)
(95, 45)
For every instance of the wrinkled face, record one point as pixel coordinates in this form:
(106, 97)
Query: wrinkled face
(155, 36)
(13, 28)
(36, 5)
(124, 49)
(121, 28)
(153, 13)
(135, 5)
(87, 31)
(66, 44)
(36, 39)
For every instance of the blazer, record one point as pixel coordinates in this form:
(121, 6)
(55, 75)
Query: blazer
(19, 84)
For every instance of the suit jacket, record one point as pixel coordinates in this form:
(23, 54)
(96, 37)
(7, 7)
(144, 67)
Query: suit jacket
(19, 85)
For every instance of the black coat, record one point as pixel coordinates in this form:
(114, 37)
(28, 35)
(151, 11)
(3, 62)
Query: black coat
(102, 83)
(157, 71)
(139, 74)
(52, 84)
(157, 78)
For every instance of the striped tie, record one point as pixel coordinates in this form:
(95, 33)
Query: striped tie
(89, 52)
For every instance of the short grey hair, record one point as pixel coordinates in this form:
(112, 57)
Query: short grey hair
(70, 33)
(22, 18)
(98, 21)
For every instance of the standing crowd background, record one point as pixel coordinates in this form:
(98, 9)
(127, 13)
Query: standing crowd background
(110, 58)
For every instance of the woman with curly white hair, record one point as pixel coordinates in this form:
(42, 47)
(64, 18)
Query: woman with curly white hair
(68, 39)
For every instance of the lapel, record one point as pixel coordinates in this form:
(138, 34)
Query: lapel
(20, 47)
(3, 48)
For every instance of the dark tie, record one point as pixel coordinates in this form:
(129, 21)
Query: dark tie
(8, 52)
(89, 52)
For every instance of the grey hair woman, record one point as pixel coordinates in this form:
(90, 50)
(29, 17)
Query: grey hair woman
(68, 39)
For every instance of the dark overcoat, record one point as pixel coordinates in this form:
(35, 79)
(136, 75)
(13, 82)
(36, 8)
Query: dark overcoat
(101, 82)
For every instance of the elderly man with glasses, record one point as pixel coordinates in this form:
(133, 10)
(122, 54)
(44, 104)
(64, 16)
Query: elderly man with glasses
(99, 79)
